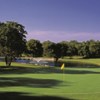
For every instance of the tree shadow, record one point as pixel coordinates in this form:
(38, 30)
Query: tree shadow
(80, 72)
(29, 82)
(75, 71)
(23, 96)
(43, 70)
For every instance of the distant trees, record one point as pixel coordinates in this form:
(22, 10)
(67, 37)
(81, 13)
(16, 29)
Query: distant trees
(62, 48)
(84, 50)
(94, 48)
(57, 53)
(48, 48)
(72, 48)
(12, 40)
(88, 49)
(51, 49)
(34, 48)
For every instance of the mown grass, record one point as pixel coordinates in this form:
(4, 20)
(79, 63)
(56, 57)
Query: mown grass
(26, 81)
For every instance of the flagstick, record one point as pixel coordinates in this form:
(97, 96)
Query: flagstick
(62, 68)
(63, 74)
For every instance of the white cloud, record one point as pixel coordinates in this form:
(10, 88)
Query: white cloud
(57, 36)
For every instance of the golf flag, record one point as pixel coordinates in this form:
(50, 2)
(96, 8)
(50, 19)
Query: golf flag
(62, 67)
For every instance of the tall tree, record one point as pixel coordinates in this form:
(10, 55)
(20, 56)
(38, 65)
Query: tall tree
(58, 53)
(34, 48)
(48, 48)
(72, 48)
(63, 47)
(84, 50)
(12, 39)
(51, 49)
(94, 48)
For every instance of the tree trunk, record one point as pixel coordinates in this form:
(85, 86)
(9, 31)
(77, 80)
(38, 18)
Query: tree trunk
(8, 60)
(56, 61)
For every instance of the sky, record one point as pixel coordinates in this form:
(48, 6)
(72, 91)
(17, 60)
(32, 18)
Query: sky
(54, 20)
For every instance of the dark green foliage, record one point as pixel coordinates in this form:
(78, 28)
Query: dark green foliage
(12, 39)
(90, 49)
(34, 48)
(48, 49)
(62, 49)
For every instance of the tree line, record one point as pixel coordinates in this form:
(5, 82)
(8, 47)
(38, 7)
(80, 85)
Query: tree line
(86, 49)
(13, 43)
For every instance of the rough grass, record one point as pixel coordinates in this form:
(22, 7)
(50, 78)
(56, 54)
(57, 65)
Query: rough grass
(28, 82)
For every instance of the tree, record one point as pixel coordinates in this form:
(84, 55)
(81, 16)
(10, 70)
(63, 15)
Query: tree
(58, 53)
(84, 50)
(63, 47)
(51, 49)
(48, 48)
(98, 48)
(94, 48)
(12, 40)
(35, 48)
(72, 48)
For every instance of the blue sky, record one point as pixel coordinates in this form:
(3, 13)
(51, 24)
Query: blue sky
(55, 20)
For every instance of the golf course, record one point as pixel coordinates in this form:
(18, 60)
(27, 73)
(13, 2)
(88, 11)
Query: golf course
(79, 80)
(50, 50)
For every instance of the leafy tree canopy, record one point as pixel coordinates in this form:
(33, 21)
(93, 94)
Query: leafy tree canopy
(12, 38)
(34, 47)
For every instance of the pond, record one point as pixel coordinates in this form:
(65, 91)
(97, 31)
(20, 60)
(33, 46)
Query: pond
(35, 62)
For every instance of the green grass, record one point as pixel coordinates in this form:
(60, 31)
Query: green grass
(29, 82)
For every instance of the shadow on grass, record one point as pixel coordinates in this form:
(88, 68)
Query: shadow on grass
(71, 71)
(30, 82)
(22, 96)
(43, 70)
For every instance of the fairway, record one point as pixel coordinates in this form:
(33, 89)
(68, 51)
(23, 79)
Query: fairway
(26, 81)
